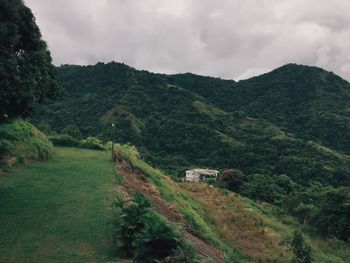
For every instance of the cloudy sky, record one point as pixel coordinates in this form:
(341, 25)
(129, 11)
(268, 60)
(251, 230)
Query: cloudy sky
(224, 38)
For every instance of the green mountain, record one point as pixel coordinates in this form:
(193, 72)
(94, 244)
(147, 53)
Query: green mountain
(284, 133)
(279, 123)
(307, 101)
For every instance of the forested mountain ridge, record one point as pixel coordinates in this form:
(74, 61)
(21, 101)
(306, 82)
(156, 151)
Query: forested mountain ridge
(186, 119)
(308, 101)
(272, 128)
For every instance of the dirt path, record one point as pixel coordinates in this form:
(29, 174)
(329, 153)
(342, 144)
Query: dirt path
(136, 181)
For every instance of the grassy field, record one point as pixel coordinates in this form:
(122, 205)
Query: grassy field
(58, 211)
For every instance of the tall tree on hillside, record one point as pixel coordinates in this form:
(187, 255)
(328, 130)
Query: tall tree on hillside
(27, 76)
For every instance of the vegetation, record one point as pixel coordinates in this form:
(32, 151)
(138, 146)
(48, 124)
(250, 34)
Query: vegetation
(59, 210)
(145, 235)
(302, 252)
(267, 127)
(67, 140)
(240, 227)
(332, 218)
(21, 142)
(194, 213)
(27, 76)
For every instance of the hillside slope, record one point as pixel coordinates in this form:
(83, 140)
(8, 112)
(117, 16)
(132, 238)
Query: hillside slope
(243, 230)
(307, 101)
(21, 142)
(181, 121)
(59, 210)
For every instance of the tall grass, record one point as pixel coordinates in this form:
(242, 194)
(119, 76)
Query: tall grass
(194, 213)
(20, 142)
(250, 212)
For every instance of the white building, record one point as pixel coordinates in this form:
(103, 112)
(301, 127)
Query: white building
(197, 175)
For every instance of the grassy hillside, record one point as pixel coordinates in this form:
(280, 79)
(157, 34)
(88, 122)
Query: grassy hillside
(21, 142)
(59, 210)
(245, 231)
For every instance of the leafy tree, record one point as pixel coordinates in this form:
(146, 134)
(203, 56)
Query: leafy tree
(262, 187)
(72, 130)
(27, 76)
(333, 217)
(232, 178)
(302, 251)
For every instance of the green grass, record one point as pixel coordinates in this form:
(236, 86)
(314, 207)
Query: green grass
(194, 213)
(60, 210)
(250, 212)
(21, 142)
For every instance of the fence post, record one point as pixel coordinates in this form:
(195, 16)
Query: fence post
(113, 140)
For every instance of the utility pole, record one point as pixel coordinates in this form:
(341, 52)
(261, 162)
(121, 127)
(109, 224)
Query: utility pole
(113, 140)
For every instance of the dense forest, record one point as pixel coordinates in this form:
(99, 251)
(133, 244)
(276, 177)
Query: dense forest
(284, 131)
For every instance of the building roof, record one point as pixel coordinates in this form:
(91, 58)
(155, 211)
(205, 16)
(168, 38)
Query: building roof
(204, 171)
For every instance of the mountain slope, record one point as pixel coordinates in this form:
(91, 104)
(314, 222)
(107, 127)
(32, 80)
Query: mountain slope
(183, 121)
(180, 121)
(307, 101)
(244, 230)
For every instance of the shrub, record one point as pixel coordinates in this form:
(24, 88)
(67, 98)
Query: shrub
(262, 187)
(157, 240)
(333, 216)
(302, 252)
(146, 236)
(92, 143)
(130, 221)
(67, 140)
(232, 179)
(63, 140)
(20, 142)
(73, 131)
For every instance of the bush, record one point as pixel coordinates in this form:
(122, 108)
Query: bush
(157, 240)
(232, 179)
(146, 236)
(302, 251)
(130, 221)
(20, 142)
(73, 131)
(92, 143)
(63, 140)
(333, 216)
(67, 140)
(263, 188)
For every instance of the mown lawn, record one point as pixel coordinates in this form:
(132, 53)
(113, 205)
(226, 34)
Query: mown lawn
(58, 211)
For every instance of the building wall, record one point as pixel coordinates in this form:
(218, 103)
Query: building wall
(192, 176)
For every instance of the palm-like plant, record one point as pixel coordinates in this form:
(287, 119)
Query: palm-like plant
(130, 221)
(157, 240)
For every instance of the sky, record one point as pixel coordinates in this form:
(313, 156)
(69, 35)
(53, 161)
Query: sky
(233, 39)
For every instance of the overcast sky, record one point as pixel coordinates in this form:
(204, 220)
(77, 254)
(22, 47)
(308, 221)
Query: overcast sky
(224, 38)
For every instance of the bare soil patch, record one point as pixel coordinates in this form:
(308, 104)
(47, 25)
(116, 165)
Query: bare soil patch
(136, 181)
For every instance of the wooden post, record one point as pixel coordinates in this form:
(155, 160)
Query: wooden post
(113, 141)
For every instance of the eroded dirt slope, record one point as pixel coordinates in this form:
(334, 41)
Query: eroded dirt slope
(136, 181)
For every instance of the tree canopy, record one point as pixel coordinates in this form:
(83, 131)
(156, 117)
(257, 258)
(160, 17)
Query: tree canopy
(27, 76)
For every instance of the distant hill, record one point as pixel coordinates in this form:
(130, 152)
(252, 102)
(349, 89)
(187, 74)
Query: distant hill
(308, 101)
(277, 123)
(284, 133)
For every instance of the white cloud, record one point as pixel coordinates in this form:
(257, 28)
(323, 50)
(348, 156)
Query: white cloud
(225, 38)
